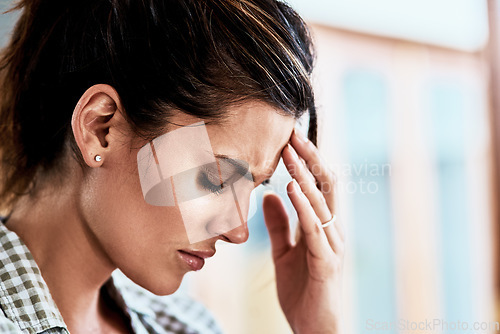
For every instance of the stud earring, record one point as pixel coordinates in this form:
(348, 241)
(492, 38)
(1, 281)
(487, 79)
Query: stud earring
(98, 158)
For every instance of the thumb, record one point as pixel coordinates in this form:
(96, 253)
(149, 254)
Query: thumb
(277, 224)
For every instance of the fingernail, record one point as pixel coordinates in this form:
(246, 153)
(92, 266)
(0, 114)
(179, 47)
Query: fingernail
(300, 136)
(293, 151)
(296, 187)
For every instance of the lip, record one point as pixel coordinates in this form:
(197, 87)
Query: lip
(195, 259)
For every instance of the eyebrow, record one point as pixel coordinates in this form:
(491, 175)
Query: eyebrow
(242, 169)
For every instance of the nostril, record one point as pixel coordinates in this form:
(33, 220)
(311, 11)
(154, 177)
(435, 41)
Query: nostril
(238, 235)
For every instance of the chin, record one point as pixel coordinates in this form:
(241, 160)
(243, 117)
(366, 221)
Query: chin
(163, 289)
(160, 284)
(163, 286)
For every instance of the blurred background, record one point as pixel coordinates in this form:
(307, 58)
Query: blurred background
(409, 121)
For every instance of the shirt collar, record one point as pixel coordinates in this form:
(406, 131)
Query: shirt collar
(24, 296)
(118, 287)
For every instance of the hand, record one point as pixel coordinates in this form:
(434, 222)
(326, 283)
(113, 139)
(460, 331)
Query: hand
(309, 270)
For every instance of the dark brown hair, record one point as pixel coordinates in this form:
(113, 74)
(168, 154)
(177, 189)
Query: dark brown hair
(197, 56)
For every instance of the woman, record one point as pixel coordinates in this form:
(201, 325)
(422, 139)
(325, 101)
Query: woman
(85, 86)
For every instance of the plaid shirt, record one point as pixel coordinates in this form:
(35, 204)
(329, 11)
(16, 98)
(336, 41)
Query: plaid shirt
(28, 306)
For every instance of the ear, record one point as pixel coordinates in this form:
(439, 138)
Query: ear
(96, 120)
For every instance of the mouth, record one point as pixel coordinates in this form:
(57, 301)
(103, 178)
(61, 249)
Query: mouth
(195, 260)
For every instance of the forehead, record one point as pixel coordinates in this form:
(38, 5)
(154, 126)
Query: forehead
(254, 132)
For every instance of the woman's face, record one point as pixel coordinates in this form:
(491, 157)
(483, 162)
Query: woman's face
(156, 245)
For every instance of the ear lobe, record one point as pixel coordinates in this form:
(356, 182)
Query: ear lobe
(94, 118)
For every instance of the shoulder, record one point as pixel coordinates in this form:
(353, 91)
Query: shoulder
(176, 313)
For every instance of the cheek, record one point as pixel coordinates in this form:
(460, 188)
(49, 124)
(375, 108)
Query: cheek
(202, 217)
(129, 227)
(213, 215)
(139, 239)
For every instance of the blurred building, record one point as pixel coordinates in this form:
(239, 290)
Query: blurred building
(402, 88)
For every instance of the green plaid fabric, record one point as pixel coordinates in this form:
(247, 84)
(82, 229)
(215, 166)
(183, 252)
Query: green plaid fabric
(28, 306)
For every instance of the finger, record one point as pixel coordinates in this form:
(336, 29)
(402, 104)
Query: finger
(277, 224)
(334, 238)
(324, 176)
(308, 172)
(316, 239)
(301, 173)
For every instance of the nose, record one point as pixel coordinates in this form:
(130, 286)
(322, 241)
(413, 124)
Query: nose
(231, 225)
(237, 235)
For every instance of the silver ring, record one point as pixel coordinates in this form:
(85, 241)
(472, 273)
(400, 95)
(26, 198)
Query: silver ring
(330, 222)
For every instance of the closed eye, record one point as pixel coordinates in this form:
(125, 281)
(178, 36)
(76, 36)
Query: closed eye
(204, 181)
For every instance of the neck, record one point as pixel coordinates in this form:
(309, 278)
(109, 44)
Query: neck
(69, 256)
